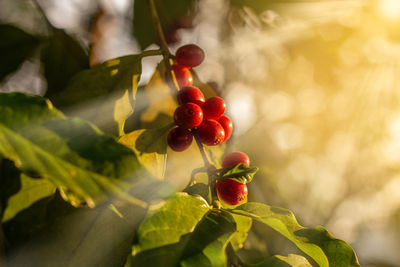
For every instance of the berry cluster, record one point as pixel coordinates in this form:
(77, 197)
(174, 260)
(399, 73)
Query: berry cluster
(195, 114)
(229, 190)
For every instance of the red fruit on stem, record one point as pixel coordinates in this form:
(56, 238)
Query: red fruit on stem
(190, 94)
(226, 123)
(179, 139)
(234, 158)
(189, 55)
(211, 133)
(188, 115)
(231, 191)
(214, 108)
(182, 76)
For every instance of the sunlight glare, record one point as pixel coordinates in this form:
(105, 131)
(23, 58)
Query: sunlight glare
(390, 8)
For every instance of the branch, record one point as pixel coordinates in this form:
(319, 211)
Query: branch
(163, 44)
(211, 170)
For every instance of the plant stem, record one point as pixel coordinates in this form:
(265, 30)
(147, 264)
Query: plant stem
(163, 44)
(175, 87)
(155, 52)
(158, 29)
(211, 170)
(207, 163)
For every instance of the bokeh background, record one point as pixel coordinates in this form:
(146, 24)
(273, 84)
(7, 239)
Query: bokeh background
(313, 88)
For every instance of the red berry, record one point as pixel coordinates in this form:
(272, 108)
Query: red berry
(211, 133)
(180, 138)
(234, 158)
(182, 76)
(189, 55)
(213, 108)
(188, 115)
(226, 123)
(231, 191)
(190, 94)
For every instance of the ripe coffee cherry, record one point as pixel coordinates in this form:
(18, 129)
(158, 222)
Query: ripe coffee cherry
(211, 133)
(190, 94)
(213, 108)
(188, 115)
(231, 191)
(234, 158)
(182, 75)
(226, 123)
(189, 55)
(180, 138)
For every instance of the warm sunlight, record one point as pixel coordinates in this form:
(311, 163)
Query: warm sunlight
(390, 8)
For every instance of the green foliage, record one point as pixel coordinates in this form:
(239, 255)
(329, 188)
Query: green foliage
(55, 168)
(315, 242)
(240, 173)
(150, 146)
(199, 189)
(203, 247)
(63, 236)
(168, 221)
(106, 91)
(143, 29)
(62, 57)
(291, 260)
(71, 153)
(30, 191)
(15, 47)
(156, 103)
(243, 225)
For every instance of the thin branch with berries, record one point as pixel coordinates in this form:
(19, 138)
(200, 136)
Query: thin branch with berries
(197, 118)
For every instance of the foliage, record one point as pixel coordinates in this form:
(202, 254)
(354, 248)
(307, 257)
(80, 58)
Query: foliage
(73, 195)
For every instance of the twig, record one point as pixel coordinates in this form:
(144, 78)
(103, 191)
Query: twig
(211, 170)
(163, 44)
(203, 153)
(175, 87)
(155, 52)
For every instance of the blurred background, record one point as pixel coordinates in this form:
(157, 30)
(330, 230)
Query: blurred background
(312, 87)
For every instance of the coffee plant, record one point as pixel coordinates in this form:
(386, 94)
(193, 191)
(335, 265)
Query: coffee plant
(89, 189)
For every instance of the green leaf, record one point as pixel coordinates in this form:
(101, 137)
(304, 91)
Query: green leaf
(206, 89)
(10, 183)
(62, 57)
(209, 239)
(315, 242)
(167, 221)
(168, 12)
(150, 146)
(18, 109)
(71, 153)
(240, 173)
(205, 246)
(31, 191)
(75, 237)
(160, 102)
(292, 260)
(15, 47)
(199, 189)
(104, 94)
(243, 225)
